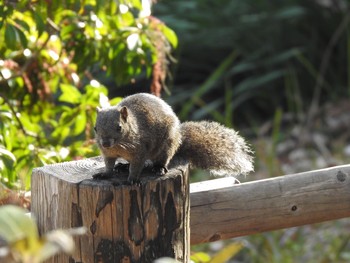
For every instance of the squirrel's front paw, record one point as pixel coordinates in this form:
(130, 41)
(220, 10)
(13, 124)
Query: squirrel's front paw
(102, 175)
(159, 170)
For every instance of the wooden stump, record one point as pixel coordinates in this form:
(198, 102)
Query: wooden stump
(126, 223)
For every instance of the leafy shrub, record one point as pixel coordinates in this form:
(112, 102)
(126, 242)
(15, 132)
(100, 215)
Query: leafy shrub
(50, 65)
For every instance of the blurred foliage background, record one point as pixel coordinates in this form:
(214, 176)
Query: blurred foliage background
(278, 71)
(248, 58)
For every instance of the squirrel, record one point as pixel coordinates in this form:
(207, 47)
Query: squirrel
(143, 128)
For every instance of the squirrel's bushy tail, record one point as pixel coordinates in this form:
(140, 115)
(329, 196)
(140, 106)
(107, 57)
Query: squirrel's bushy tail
(214, 147)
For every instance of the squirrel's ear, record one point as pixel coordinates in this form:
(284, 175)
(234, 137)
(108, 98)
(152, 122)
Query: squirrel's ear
(98, 109)
(124, 113)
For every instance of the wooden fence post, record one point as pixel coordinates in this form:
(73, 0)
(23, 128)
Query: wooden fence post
(126, 223)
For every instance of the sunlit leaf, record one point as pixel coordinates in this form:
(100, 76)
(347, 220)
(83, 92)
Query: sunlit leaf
(227, 252)
(170, 35)
(80, 124)
(8, 154)
(104, 102)
(67, 30)
(70, 94)
(132, 41)
(136, 3)
(115, 100)
(29, 124)
(200, 257)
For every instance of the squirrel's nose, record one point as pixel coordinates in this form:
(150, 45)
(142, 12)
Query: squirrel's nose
(106, 144)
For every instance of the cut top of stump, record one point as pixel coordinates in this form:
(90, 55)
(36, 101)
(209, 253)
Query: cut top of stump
(83, 170)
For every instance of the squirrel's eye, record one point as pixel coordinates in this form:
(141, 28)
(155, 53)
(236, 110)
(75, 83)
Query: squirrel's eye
(119, 128)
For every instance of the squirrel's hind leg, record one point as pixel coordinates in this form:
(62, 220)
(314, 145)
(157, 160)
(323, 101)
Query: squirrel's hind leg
(121, 167)
(162, 160)
(160, 165)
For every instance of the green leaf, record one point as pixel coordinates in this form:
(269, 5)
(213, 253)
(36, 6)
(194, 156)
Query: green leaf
(170, 35)
(11, 36)
(80, 123)
(23, 24)
(115, 100)
(22, 37)
(7, 154)
(67, 30)
(136, 4)
(92, 94)
(70, 94)
(15, 36)
(29, 124)
(40, 25)
(200, 257)
(2, 13)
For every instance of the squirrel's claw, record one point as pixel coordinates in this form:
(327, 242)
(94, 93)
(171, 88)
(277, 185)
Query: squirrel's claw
(134, 181)
(159, 170)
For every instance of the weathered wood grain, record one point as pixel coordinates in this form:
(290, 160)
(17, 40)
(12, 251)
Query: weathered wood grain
(222, 210)
(126, 223)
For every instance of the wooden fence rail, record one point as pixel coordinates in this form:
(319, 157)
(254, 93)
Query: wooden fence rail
(221, 210)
